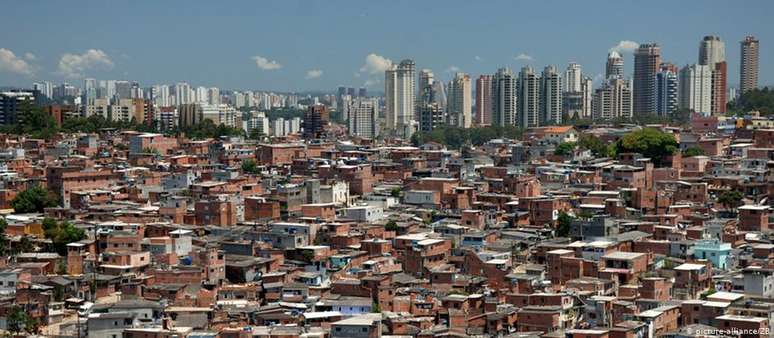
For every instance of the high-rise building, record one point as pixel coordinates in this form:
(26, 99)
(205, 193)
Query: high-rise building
(588, 96)
(748, 65)
(46, 88)
(719, 88)
(183, 93)
(551, 96)
(614, 66)
(439, 94)
(399, 91)
(504, 98)
(696, 88)
(362, 92)
(667, 90)
(573, 78)
(364, 117)
(431, 116)
(316, 118)
(484, 100)
(528, 98)
(711, 50)
(200, 95)
(425, 84)
(89, 90)
(213, 95)
(160, 95)
(647, 60)
(712, 53)
(613, 100)
(11, 103)
(459, 106)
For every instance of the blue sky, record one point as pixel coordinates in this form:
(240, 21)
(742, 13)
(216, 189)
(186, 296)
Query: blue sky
(316, 45)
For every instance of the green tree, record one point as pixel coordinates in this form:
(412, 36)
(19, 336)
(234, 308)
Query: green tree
(61, 234)
(563, 223)
(395, 192)
(693, 151)
(19, 321)
(760, 99)
(730, 198)
(249, 166)
(34, 199)
(650, 142)
(595, 145)
(565, 148)
(391, 226)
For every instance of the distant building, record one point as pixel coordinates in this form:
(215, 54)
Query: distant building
(528, 98)
(11, 103)
(399, 93)
(483, 100)
(550, 96)
(647, 60)
(504, 108)
(667, 90)
(460, 105)
(316, 118)
(696, 88)
(364, 118)
(613, 100)
(748, 65)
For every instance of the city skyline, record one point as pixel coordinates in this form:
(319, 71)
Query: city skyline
(167, 48)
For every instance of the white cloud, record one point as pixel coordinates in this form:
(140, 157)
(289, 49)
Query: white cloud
(313, 74)
(30, 56)
(625, 46)
(523, 57)
(73, 65)
(375, 64)
(9, 62)
(453, 69)
(477, 58)
(266, 64)
(371, 82)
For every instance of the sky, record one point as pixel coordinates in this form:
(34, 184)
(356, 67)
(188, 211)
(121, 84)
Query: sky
(291, 45)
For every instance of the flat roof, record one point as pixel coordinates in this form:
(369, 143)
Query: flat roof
(689, 266)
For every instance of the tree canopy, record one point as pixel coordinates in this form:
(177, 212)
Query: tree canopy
(731, 198)
(760, 99)
(455, 137)
(565, 148)
(650, 142)
(61, 234)
(19, 321)
(693, 151)
(249, 166)
(34, 199)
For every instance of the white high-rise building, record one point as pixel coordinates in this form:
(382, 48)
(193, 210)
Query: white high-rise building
(573, 78)
(201, 95)
(587, 89)
(460, 101)
(183, 94)
(363, 117)
(399, 92)
(257, 121)
(551, 96)
(613, 100)
(213, 96)
(504, 108)
(614, 66)
(711, 51)
(695, 83)
(161, 97)
(528, 88)
(46, 88)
